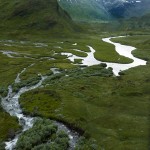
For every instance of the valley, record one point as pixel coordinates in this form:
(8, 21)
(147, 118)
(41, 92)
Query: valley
(41, 56)
(71, 85)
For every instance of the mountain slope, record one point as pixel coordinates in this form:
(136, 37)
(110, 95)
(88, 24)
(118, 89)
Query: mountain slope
(105, 9)
(84, 10)
(37, 14)
(127, 8)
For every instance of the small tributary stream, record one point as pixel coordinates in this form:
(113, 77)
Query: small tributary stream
(11, 105)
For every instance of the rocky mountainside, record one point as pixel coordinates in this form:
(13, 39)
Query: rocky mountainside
(127, 8)
(105, 9)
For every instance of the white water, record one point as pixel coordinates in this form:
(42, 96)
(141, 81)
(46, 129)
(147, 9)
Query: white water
(122, 50)
(11, 105)
(126, 51)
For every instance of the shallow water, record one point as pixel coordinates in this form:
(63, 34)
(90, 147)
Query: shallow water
(126, 51)
(122, 50)
(11, 105)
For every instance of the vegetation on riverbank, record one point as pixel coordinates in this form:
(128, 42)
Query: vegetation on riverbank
(9, 68)
(78, 88)
(78, 96)
(117, 108)
(46, 135)
(8, 127)
(43, 135)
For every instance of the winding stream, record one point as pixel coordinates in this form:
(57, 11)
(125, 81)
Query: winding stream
(11, 102)
(11, 105)
(122, 50)
(126, 51)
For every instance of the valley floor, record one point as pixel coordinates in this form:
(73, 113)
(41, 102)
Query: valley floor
(113, 112)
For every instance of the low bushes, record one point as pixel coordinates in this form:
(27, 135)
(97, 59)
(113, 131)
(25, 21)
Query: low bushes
(29, 82)
(61, 142)
(41, 131)
(43, 135)
(97, 70)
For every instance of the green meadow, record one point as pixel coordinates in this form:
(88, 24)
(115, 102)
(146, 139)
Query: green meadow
(108, 112)
(112, 110)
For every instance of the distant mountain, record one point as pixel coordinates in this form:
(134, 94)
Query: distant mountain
(137, 23)
(34, 14)
(105, 9)
(84, 10)
(127, 8)
(55, 15)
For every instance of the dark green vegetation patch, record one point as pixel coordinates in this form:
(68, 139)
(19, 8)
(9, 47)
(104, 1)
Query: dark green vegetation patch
(37, 14)
(43, 135)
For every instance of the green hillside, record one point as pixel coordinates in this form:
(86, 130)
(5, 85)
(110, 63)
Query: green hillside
(86, 10)
(37, 14)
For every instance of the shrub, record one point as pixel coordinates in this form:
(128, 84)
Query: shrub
(29, 82)
(40, 132)
(121, 73)
(62, 140)
(103, 65)
(43, 136)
